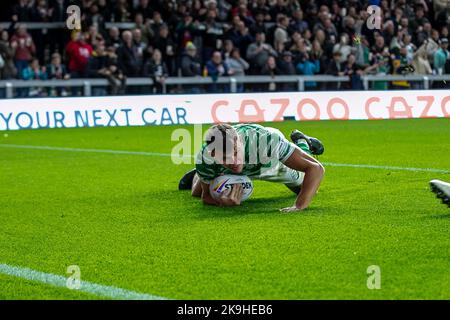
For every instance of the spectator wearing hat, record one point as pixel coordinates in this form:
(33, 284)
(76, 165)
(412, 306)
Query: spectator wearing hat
(190, 64)
(287, 67)
(441, 56)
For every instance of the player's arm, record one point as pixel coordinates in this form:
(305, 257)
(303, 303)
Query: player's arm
(206, 196)
(230, 200)
(314, 172)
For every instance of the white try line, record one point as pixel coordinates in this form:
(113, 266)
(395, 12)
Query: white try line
(85, 286)
(158, 154)
(369, 166)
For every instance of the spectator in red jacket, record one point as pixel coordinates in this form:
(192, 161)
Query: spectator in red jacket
(24, 48)
(78, 52)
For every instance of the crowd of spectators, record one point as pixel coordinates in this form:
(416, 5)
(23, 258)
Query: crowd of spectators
(219, 38)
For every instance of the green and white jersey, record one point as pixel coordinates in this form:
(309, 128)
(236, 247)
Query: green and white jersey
(264, 148)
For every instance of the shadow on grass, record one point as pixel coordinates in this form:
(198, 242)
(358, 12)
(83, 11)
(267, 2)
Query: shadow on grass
(255, 206)
(265, 208)
(439, 216)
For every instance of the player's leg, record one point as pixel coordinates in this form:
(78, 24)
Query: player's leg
(281, 173)
(187, 179)
(314, 145)
(191, 181)
(311, 146)
(442, 190)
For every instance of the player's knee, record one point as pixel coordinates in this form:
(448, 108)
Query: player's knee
(320, 169)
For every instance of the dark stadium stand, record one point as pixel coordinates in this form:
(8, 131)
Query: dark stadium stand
(158, 40)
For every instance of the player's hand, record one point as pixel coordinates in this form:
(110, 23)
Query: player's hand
(233, 198)
(290, 209)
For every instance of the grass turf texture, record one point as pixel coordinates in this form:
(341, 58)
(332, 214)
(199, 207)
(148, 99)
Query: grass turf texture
(121, 219)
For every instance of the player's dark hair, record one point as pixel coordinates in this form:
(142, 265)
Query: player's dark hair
(222, 131)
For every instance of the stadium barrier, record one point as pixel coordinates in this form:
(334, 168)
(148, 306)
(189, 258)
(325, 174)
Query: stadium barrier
(233, 82)
(424, 82)
(16, 114)
(107, 25)
(62, 25)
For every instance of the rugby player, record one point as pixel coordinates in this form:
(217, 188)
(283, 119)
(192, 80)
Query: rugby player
(258, 152)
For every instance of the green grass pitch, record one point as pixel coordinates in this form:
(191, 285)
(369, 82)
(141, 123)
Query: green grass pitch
(121, 219)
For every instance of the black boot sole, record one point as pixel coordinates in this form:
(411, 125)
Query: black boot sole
(186, 181)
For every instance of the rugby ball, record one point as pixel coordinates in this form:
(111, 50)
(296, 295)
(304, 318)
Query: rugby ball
(223, 184)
